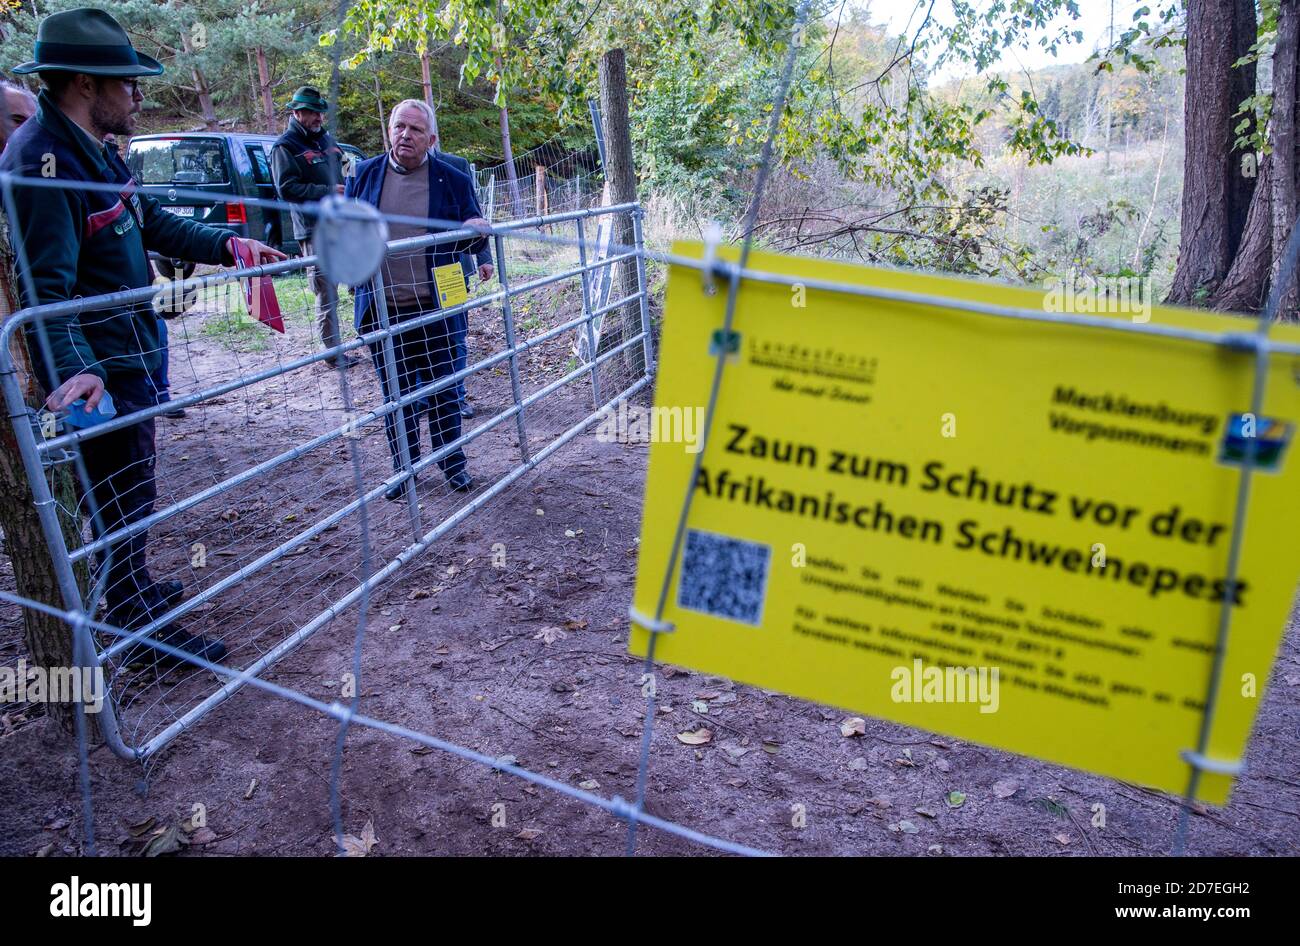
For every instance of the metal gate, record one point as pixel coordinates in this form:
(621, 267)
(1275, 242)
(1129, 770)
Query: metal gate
(266, 563)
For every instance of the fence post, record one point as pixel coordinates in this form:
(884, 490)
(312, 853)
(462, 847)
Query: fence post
(393, 393)
(586, 311)
(508, 318)
(647, 345)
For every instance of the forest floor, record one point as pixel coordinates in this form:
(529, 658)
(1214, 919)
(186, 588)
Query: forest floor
(528, 660)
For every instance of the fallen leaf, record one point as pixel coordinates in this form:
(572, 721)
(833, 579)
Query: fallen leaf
(697, 738)
(167, 841)
(700, 707)
(934, 849)
(142, 828)
(590, 785)
(857, 765)
(1062, 838)
(1005, 788)
(354, 846)
(956, 799)
(549, 635)
(204, 835)
(735, 751)
(853, 726)
(529, 834)
(570, 534)
(908, 828)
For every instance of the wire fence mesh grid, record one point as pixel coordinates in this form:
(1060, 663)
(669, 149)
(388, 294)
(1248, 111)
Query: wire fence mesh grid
(262, 566)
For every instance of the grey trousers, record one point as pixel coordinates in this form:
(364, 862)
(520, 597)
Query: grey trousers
(327, 300)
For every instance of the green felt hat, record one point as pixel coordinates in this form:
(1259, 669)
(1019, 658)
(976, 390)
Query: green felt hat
(88, 41)
(308, 98)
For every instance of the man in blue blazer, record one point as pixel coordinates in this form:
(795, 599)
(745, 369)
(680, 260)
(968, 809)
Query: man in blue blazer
(410, 181)
(480, 261)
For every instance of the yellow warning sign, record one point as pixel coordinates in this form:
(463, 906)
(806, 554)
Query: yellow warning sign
(450, 280)
(1009, 531)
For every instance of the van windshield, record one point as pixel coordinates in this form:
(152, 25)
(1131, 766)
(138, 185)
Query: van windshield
(177, 161)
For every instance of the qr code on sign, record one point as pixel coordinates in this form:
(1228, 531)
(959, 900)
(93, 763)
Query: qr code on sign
(724, 577)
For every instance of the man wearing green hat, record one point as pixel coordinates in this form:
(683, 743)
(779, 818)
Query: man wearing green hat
(306, 165)
(75, 242)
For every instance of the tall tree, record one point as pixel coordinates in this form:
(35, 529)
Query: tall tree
(1216, 192)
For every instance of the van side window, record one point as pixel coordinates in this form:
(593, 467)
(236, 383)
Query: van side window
(261, 166)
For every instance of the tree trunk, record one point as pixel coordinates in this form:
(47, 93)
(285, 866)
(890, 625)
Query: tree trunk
(206, 107)
(1282, 132)
(516, 200)
(48, 639)
(620, 172)
(264, 84)
(1210, 191)
(1245, 287)
(379, 108)
(1241, 186)
(426, 82)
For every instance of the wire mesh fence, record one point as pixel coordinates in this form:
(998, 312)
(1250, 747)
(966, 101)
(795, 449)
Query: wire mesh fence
(244, 558)
(548, 179)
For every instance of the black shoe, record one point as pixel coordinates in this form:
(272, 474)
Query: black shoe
(174, 413)
(396, 492)
(194, 644)
(462, 482)
(173, 592)
(466, 411)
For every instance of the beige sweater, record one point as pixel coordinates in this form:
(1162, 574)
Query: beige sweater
(407, 280)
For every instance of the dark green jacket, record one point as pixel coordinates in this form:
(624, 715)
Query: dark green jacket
(86, 243)
(303, 166)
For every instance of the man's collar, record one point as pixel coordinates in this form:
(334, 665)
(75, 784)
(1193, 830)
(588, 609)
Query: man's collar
(90, 135)
(57, 122)
(392, 163)
(304, 131)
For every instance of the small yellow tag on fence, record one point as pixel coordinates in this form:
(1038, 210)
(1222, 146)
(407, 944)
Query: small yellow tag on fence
(450, 280)
(1009, 531)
